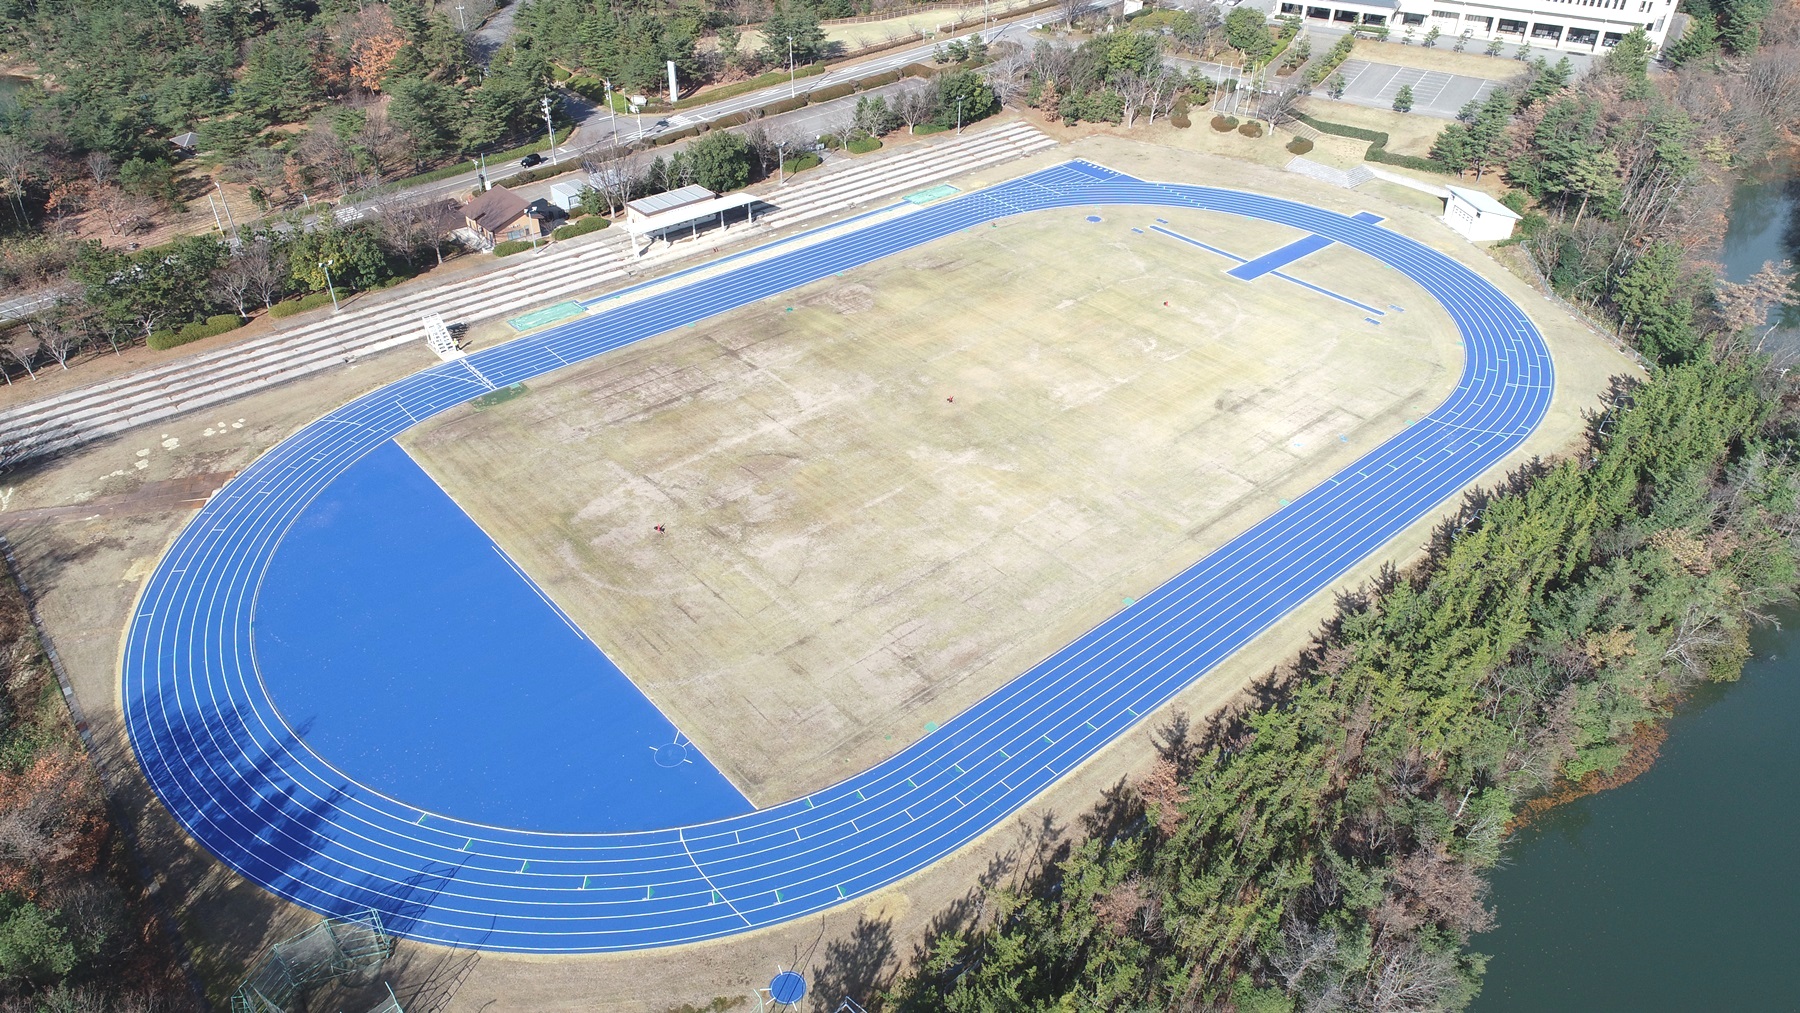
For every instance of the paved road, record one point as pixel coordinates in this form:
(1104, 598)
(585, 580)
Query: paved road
(221, 756)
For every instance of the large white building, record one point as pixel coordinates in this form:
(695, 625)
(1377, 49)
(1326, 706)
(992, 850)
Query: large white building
(1575, 26)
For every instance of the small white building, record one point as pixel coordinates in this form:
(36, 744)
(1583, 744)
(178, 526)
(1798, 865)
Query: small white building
(1477, 216)
(567, 195)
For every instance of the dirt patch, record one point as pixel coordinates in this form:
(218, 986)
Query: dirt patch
(870, 525)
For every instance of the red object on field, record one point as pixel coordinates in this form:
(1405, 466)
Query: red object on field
(659, 529)
(951, 399)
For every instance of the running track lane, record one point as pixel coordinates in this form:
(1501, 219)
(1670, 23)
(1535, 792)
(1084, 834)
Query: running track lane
(242, 783)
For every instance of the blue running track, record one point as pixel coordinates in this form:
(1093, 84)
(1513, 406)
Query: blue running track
(225, 762)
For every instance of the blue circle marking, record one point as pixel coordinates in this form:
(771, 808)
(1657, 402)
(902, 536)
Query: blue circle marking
(237, 777)
(1093, 218)
(787, 987)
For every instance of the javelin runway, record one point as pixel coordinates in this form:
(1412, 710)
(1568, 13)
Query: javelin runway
(219, 754)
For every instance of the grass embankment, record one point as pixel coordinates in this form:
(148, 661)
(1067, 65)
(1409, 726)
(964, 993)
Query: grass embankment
(1325, 847)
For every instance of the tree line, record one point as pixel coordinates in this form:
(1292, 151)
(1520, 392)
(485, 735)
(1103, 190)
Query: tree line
(287, 97)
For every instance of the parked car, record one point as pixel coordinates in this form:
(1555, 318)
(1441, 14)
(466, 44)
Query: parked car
(532, 159)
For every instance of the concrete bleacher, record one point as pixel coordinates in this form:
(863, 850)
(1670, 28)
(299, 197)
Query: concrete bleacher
(389, 320)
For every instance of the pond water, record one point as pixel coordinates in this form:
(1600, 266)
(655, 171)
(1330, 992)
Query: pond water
(1764, 226)
(1676, 891)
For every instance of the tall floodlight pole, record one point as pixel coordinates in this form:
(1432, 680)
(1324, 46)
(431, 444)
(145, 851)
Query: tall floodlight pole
(791, 91)
(959, 101)
(548, 128)
(325, 265)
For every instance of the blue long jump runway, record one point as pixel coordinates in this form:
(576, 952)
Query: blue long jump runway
(220, 754)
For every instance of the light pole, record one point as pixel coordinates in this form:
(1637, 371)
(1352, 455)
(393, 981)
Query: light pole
(612, 115)
(780, 163)
(325, 265)
(791, 91)
(461, 20)
(548, 128)
(959, 101)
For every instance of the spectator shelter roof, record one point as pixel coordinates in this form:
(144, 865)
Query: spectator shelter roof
(687, 213)
(669, 200)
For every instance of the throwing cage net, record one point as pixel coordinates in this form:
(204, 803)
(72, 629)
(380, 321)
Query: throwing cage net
(334, 948)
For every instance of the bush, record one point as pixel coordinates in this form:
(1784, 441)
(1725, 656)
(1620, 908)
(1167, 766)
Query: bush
(592, 223)
(878, 81)
(801, 163)
(919, 70)
(511, 247)
(1224, 124)
(1299, 145)
(1180, 120)
(829, 92)
(300, 305)
(864, 145)
(1251, 128)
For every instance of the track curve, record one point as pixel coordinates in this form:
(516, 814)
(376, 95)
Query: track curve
(218, 754)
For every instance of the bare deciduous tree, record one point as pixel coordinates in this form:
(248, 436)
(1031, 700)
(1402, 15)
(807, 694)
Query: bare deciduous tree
(914, 106)
(614, 172)
(265, 265)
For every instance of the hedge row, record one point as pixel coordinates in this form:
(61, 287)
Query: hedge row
(592, 223)
(548, 172)
(830, 92)
(864, 145)
(1377, 145)
(786, 105)
(562, 135)
(512, 246)
(757, 83)
(160, 340)
(300, 305)
(921, 70)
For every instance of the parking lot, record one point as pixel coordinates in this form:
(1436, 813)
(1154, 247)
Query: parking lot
(1434, 92)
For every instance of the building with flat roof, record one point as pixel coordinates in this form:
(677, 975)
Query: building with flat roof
(1570, 26)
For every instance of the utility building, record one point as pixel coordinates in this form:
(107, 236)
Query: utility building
(1477, 216)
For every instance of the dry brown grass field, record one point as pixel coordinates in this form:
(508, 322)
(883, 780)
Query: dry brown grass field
(885, 494)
